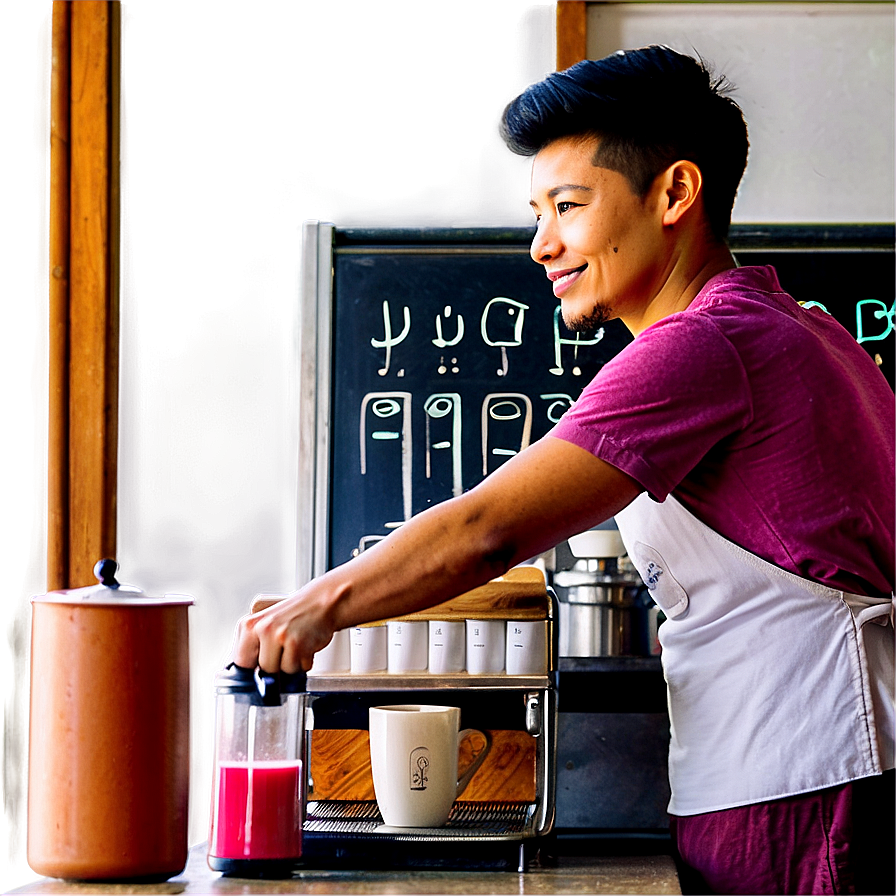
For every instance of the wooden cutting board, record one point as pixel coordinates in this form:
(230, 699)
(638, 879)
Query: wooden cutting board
(340, 766)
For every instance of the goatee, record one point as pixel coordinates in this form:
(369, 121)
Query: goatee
(587, 324)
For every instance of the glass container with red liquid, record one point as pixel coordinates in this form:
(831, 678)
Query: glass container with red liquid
(259, 789)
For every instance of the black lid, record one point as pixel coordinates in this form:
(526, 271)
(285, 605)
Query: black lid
(263, 688)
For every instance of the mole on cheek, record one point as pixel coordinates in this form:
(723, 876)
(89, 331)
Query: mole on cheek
(615, 248)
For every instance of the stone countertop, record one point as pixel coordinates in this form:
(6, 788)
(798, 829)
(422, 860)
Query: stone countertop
(640, 874)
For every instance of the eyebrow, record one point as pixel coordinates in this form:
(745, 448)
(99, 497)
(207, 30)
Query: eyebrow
(562, 188)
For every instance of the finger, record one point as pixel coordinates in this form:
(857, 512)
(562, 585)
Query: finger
(245, 648)
(270, 652)
(293, 660)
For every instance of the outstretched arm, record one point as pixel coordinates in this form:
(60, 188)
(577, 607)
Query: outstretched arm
(546, 493)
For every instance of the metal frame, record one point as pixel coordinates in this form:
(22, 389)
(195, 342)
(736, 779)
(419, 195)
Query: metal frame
(315, 350)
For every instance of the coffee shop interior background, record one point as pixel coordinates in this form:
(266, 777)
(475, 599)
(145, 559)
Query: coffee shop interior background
(239, 122)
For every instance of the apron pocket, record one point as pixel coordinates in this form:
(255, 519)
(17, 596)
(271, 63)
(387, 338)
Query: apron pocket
(666, 592)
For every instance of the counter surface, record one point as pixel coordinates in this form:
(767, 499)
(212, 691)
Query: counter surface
(571, 875)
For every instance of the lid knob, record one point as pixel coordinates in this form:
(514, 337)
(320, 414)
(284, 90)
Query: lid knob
(105, 573)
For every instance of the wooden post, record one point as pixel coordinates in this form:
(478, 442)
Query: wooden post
(93, 295)
(60, 86)
(572, 16)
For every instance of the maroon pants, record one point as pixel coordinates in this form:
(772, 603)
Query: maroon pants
(838, 840)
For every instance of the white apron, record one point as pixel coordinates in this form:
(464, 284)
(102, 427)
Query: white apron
(776, 685)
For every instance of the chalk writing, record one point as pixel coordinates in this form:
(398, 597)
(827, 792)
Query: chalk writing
(438, 407)
(560, 341)
(388, 341)
(384, 406)
(515, 317)
(506, 408)
(879, 311)
(560, 403)
(440, 341)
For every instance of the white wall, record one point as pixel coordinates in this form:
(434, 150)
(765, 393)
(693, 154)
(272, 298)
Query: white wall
(815, 81)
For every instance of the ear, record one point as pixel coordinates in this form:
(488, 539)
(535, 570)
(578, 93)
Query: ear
(683, 183)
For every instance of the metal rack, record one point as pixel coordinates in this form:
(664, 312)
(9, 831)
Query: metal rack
(478, 833)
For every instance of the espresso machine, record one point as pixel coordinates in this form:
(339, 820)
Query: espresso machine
(506, 812)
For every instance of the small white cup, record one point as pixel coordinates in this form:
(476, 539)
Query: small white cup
(447, 647)
(485, 646)
(368, 649)
(527, 647)
(335, 657)
(407, 648)
(413, 760)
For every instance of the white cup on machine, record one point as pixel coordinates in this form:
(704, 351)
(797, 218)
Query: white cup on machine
(527, 647)
(335, 657)
(485, 646)
(407, 649)
(447, 646)
(413, 758)
(368, 649)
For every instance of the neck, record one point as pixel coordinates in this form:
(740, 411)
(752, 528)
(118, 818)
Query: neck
(686, 273)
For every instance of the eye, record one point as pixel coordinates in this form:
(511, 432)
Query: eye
(563, 207)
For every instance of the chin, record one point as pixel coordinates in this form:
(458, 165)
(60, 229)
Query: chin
(585, 321)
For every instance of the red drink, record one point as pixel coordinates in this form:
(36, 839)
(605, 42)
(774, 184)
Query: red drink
(259, 811)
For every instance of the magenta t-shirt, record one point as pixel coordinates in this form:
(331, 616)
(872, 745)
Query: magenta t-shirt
(765, 419)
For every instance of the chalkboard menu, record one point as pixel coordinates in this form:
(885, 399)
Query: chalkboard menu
(442, 354)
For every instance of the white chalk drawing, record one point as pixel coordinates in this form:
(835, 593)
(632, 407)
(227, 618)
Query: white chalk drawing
(505, 407)
(880, 312)
(438, 406)
(440, 341)
(560, 403)
(492, 319)
(365, 542)
(442, 369)
(560, 341)
(389, 340)
(384, 406)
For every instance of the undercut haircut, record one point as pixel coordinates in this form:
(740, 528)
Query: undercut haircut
(649, 108)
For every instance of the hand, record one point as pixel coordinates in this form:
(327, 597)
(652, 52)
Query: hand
(283, 637)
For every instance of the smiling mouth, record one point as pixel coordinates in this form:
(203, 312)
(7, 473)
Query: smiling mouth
(562, 280)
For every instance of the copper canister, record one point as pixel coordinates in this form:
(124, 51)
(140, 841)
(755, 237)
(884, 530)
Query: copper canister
(108, 775)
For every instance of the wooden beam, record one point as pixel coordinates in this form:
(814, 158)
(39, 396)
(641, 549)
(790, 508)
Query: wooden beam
(93, 408)
(572, 18)
(57, 483)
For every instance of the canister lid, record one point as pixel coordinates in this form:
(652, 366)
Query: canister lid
(262, 689)
(109, 592)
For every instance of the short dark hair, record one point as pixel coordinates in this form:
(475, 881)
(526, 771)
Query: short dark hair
(650, 108)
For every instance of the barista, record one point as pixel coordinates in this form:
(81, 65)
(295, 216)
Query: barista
(758, 512)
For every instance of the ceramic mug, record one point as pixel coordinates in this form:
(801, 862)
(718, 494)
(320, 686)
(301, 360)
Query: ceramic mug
(413, 757)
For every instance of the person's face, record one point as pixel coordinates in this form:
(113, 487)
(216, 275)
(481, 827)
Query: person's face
(600, 244)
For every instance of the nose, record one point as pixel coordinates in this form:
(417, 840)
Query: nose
(545, 244)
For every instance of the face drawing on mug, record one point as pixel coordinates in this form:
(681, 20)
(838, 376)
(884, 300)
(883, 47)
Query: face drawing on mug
(419, 763)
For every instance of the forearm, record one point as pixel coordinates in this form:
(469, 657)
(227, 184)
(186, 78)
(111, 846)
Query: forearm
(445, 551)
(548, 492)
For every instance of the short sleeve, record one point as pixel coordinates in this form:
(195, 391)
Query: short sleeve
(670, 398)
